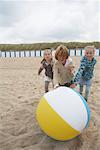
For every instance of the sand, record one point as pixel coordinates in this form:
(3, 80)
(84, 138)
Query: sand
(20, 91)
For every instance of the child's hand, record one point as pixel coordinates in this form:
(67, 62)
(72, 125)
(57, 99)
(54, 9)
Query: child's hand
(40, 70)
(73, 85)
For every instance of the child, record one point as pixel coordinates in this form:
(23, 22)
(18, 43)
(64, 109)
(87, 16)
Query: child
(85, 71)
(62, 74)
(47, 64)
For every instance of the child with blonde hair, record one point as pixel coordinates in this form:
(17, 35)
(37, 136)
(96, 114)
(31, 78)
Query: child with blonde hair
(47, 64)
(63, 73)
(85, 72)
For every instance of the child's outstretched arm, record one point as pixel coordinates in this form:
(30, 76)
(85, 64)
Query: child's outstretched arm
(80, 71)
(78, 74)
(56, 76)
(40, 70)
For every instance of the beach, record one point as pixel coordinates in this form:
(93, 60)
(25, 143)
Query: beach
(20, 92)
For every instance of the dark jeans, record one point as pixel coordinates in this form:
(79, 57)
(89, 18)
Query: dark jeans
(46, 86)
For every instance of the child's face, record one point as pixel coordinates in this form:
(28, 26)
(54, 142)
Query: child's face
(62, 59)
(47, 55)
(89, 54)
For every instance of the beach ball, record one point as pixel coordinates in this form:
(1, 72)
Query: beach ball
(63, 113)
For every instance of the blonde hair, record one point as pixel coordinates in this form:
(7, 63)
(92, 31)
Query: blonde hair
(90, 47)
(62, 51)
(47, 50)
(71, 68)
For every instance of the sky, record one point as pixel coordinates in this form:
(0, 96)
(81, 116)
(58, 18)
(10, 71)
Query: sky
(37, 21)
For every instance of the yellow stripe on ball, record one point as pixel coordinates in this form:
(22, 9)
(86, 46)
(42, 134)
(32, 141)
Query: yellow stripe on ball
(52, 124)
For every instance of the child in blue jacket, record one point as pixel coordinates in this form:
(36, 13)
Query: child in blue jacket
(85, 72)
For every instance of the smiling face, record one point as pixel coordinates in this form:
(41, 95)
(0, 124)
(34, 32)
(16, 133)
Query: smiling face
(47, 55)
(62, 59)
(90, 52)
(61, 54)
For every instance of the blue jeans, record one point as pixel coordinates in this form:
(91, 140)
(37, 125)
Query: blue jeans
(87, 83)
